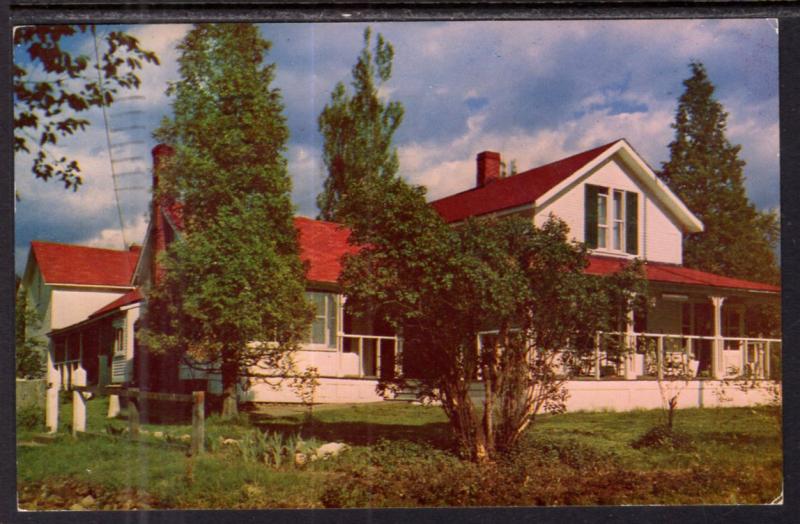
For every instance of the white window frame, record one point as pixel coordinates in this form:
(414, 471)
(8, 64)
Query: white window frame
(330, 337)
(609, 223)
(618, 220)
(602, 220)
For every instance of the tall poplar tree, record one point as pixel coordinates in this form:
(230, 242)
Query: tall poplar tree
(705, 171)
(357, 131)
(232, 290)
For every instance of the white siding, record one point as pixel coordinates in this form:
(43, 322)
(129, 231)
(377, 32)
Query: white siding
(659, 236)
(72, 305)
(664, 242)
(626, 395)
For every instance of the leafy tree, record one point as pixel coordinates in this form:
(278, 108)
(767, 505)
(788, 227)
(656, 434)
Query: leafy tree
(30, 349)
(357, 131)
(53, 88)
(441, 287)
(232, 289)
(705, 171)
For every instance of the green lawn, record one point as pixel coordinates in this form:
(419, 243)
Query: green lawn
(401, 455)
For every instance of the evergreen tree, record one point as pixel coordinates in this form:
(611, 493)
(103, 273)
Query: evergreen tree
(357, 131)
(705, 171)
(30, 349)
(232, 290)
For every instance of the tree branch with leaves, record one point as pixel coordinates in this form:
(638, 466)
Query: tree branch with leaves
(54, 88)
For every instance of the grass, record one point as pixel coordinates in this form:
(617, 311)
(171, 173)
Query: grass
(400, 455)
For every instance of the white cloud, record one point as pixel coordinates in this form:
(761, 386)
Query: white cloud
(554, 88)
(112, 237)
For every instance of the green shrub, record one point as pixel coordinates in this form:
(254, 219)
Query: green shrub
(274, 448)
(30, 417)
(664, 437)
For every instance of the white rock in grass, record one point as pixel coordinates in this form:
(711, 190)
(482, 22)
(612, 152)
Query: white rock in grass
(230, 442)
(331, 449)
(186, 438)
(158, 434)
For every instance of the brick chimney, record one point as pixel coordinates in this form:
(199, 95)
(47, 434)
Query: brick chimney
(488, 168)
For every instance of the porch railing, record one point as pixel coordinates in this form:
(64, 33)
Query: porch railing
(378, 356)
(652, 355)
(657, 355)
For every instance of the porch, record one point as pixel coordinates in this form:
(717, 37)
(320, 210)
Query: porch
(659, 356)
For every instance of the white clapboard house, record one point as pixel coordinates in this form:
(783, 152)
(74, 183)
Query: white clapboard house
(92, 299)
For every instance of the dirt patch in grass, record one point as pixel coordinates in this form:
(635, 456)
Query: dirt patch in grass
(70, 493)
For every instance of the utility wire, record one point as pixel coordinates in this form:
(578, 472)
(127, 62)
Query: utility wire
(108, 137)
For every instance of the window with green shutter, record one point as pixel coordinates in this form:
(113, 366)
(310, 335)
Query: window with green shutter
(590, 216)
(631, 223)
(611, 219)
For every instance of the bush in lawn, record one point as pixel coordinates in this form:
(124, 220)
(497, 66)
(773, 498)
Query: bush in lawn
(537, 472)
(664, 437)
(30, 417)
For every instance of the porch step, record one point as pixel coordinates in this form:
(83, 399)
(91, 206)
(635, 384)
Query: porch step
(406, 395)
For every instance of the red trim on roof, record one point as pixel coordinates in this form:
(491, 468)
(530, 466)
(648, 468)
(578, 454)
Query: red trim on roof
(126, 299)
(514, 191)
(80, 265)
(322, 246)
(675, 274)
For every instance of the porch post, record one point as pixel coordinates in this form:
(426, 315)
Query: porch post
(340, 333)
(398, 356)
(630, 355)
(660, 358)
(597, 356)
(717, 363)
(767, 374)
(53, 387)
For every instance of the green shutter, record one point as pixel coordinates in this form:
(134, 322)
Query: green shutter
(632, 223)
(590, 216)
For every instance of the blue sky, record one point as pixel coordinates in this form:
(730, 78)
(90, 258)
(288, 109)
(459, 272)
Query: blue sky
(534, 91)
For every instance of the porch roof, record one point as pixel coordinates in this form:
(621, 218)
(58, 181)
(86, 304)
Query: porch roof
(128, 298)
(675, 274)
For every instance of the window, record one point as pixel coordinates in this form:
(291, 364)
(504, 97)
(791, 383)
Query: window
(619, 221)
(602, 217)
(119, 341)
(324, 326)
(611, 225)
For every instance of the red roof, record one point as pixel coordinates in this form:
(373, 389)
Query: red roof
(518, 190)
(322, 246)
(68, 264)
(128, 298)
(675, 274)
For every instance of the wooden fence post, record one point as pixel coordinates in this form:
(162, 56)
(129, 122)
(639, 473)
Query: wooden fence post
(133, 416)
(198, 422)
(78, 413)
(78, 401)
